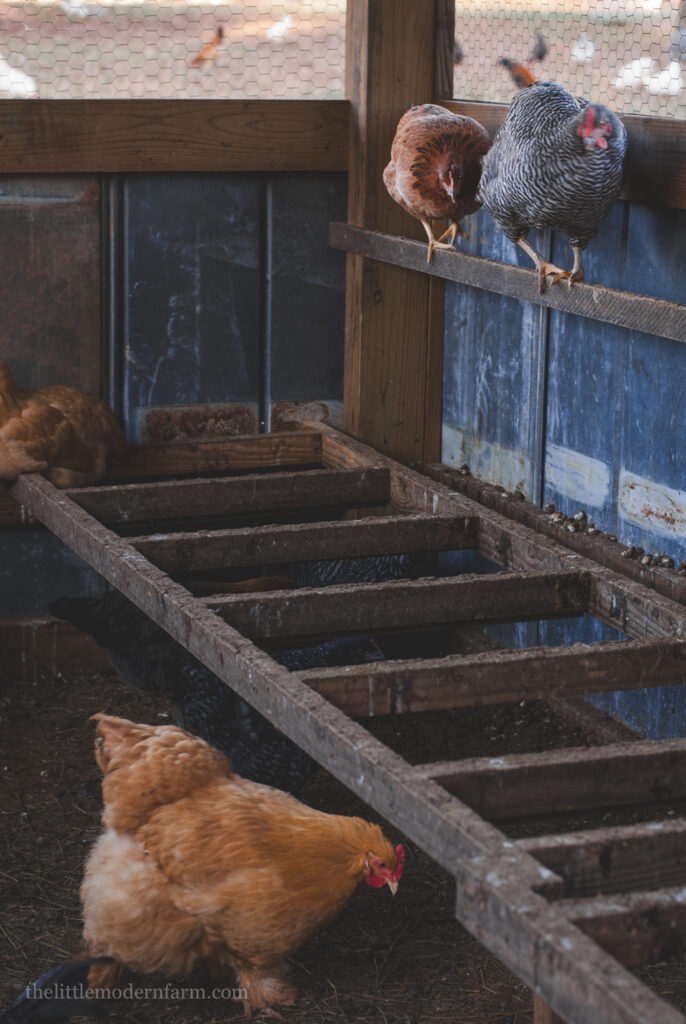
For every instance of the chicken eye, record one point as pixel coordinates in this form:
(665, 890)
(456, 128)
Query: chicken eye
(381, 864)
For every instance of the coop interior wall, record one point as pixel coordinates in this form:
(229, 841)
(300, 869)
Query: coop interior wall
(221, 309)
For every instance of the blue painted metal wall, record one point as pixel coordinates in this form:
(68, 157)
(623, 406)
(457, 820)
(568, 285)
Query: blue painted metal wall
(580, 413)
(223, 308)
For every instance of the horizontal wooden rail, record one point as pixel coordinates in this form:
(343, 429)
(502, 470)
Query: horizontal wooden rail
(651, 855)
(532, 785)
(656, 157)
(245, 452)
(99, 136)
(624, 309)
(178, 499)
(265, 545)
(636, 928)
(518, 596)
(499, 676)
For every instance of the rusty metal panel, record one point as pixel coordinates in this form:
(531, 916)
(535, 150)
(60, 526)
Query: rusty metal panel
(50, 280)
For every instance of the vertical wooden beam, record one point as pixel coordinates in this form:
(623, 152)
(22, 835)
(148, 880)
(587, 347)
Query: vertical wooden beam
(394, 322)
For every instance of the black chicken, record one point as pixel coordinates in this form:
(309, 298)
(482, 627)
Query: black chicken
(57, 995)
(147, 658)
(556, 162)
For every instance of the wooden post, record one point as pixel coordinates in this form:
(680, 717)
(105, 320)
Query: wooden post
(394, 317)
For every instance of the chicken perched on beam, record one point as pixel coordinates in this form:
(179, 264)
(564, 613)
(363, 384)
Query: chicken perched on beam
(556, 162)
(435, 168)
(68, 434)
(198, 866)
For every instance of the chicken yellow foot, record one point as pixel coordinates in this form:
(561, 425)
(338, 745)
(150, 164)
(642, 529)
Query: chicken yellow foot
(544, 268)
(573, 275)
(436, 243)
(453, 231)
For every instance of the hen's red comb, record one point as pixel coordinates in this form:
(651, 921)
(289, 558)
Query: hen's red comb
(400, 855)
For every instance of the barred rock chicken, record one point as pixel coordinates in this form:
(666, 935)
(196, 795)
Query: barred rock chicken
(197, 866)
(147, 658)
(435, 168)
(68, 434)
(556, 162)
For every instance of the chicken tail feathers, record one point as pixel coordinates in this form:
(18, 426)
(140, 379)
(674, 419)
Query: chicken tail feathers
(57, 995)
(147, 766)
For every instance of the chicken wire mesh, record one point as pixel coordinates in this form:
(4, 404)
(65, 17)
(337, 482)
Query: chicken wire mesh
(97, 49)
(628, 54)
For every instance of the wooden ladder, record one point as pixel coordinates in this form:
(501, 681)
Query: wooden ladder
(568, 913)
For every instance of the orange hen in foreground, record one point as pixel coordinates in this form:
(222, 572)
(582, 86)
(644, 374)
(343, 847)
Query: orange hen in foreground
(435, 168)
(67, 433)
(199, 866)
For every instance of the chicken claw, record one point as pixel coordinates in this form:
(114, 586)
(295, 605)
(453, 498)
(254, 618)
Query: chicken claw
(543, 267)
(573, 275)
(454, 230)
(438, 243)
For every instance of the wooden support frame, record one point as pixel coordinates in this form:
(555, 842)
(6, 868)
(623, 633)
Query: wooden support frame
(507, 895)
(608, 305)
(394, 319)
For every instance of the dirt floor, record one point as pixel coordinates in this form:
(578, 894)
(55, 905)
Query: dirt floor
(386, 960)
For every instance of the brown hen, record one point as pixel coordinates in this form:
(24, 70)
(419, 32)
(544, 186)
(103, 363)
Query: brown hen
(435, 168)
(62, 431)
(199, 866)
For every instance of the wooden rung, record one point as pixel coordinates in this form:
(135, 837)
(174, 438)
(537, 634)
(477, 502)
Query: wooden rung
(580, 778)
(240, 453)
(178, 499)
(608, 305)
(499, 676)
(499, 597)
(266, 545)
(635, 928)
(651, 855)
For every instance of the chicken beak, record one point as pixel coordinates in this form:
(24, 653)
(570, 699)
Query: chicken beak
(393, 886)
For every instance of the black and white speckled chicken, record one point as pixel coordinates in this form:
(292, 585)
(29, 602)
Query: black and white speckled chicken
(147, 658)
(330, 572)
(556, 162)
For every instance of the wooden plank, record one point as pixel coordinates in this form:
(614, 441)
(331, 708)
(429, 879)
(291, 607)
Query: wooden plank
(497, 677)
(45, 647)
(543, 948)
(405, 603)
(108, 136)
(651, 855)
(579, 778)
(621, 603)
(176, 499)
(235, 454)
(597, 546)
(656, 157)
(634, 928)
(625, 309)
(265, 545)
(390, 343)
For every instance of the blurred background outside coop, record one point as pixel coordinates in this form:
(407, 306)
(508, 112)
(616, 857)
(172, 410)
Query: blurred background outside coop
(627, 54)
